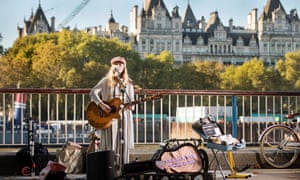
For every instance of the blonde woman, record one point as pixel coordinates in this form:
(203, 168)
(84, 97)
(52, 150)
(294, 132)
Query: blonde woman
(116, 84)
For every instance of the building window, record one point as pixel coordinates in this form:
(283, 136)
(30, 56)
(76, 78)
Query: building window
(279, 20)
(187, 40)
(159, 17)
(265, 47)
(151, 45)
(200, 41)
(240, 42)
(177, 46)
(188, 23)
(169, 45)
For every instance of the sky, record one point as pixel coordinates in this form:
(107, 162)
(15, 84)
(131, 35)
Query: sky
(97, 12)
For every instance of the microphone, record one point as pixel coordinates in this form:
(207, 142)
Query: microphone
(116, 72)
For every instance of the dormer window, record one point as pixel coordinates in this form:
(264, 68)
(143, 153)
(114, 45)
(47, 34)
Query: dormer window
(188, 23)
(159, 16)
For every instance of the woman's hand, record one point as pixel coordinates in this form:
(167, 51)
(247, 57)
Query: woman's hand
(106, 108)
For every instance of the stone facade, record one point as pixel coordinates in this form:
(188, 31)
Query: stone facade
(37, 23)
(154, 29)
(268, 37)
(112, 30)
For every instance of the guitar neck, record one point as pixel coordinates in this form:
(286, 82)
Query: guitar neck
(143, 100)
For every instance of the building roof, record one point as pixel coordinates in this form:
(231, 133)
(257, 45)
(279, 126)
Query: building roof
(246, 37)
(175, 12)
(189, 19)
(150, 4)
(271, 6)
(213, 22)
(39, 14)
(111, 18)
(294, 15)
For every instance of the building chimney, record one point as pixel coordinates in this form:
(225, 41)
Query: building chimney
(52, 24)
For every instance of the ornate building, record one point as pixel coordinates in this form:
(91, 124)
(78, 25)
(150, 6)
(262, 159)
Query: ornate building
(112, 30)
(278, 31)
(37, 23)
(154, 29)
(268, 37)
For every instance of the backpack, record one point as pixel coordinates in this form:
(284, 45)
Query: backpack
(26, 162)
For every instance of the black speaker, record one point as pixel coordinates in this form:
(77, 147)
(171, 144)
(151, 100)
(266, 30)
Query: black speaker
(100, 165)
(139, 167)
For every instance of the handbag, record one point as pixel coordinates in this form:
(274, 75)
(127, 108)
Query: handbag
(72, 157)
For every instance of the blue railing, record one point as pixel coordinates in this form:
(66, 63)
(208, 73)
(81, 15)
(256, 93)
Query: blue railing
(60, 114)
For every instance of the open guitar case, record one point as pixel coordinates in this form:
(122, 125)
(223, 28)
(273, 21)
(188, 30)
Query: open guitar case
(177, 157)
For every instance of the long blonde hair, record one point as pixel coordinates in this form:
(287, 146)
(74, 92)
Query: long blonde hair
(112, 79)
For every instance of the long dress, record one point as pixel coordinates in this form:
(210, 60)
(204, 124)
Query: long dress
(111, 138)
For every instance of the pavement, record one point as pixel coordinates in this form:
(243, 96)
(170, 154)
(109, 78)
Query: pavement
(248, 157)
(256, 174)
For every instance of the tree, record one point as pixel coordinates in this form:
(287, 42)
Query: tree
(212, 72)
(1, 46)
(67, 59)
(249, 76)
(289, 70)
(188, 78)
(156, 71)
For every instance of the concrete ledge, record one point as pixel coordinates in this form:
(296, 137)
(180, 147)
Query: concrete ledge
(248, 157)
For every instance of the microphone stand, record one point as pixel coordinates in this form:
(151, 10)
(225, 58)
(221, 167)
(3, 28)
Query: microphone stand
(121, 141)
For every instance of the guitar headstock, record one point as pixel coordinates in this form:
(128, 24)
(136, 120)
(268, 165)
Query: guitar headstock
(153, 97)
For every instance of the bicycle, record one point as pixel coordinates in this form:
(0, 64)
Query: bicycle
(279, 143)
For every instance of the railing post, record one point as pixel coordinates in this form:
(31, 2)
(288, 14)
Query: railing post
(234, 116)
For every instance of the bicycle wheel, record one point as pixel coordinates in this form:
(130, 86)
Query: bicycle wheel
(276, 146)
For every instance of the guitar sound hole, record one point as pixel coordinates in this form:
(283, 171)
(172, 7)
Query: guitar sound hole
(113, 109)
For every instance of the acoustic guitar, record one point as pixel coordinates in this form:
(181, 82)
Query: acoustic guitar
(99, 119)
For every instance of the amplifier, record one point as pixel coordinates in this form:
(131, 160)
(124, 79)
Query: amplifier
(100, 165)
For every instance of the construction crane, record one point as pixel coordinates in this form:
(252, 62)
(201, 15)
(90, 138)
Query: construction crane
(73, 14)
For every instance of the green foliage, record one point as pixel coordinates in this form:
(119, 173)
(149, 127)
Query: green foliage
(1, 46)
(252, 75)
(289, 71)
(156, 71)
(198, 75)
(75, 59)
(67, 59)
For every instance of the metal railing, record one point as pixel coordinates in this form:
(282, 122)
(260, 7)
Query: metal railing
(59, 115)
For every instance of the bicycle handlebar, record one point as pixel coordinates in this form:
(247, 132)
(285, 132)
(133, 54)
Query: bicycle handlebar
(292, 115)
